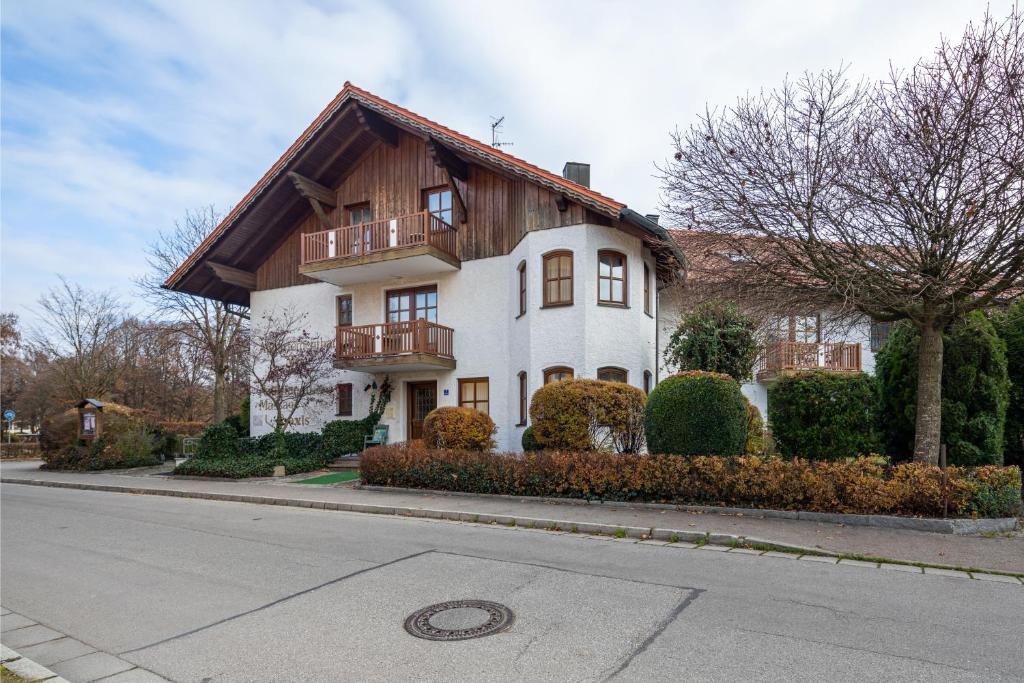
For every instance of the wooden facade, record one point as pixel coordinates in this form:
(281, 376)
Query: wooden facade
(499, 209)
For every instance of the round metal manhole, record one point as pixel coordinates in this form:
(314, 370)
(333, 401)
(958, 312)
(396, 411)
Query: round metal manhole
(459, 620)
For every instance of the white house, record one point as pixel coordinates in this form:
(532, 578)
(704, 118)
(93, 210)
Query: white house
(463, 274)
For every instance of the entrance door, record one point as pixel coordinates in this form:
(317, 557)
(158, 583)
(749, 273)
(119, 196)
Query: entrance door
(422, 399)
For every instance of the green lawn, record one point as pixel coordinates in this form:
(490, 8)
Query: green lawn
(334, 478)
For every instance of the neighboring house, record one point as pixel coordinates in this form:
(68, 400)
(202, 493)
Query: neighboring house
(465, 275)
(811, 338)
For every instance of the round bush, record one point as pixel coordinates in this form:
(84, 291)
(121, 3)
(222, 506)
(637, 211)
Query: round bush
(975, 391)
(462, 429)
(824, 415)
(588, 414)
(529, 440)
(697, 413)
(218, 441)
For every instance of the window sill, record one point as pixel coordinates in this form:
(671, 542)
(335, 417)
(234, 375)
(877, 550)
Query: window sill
(612, 304)
(568, 303)
(520, 424)
(343, 415)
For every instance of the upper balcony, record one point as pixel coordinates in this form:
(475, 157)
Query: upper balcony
(409, 345)
(404, 246)
(786, 356)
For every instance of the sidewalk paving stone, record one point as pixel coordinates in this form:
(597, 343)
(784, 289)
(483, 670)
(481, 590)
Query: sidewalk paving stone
(54, 651)
(91, 667)
(12, 621)
(29, 670)
(30, 635)
(134, 676)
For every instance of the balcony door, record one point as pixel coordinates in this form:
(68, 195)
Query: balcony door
(418, 303)
(422, 398)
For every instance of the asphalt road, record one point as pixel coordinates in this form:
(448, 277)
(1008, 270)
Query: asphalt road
(210, 591)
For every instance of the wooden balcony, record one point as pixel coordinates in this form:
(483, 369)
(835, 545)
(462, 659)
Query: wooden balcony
(786, 356)
(412, 345)
(403, 246)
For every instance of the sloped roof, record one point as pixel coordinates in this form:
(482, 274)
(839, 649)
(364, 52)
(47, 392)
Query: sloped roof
(463, 143)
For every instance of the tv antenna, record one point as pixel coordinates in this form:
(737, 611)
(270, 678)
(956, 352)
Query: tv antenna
(495, 131)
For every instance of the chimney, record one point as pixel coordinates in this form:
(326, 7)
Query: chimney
(577, 173)
(652, 217)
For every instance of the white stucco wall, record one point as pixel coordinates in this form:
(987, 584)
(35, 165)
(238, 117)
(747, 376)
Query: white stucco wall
(480, 302)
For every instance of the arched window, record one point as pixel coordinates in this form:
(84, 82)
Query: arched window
(523, 406)
(647, 289)
(610, 374)
(522, 288)
(557, 374)
(558, 278)
(611, 278)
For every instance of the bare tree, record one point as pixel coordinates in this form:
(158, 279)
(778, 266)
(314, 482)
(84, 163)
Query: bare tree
(899, 200)
(213, 326)
(77, 335)
(288, 365)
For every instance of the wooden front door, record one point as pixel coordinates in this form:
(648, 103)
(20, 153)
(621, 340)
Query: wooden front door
(422, 399)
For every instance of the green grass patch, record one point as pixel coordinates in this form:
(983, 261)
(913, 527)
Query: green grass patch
(334, 478)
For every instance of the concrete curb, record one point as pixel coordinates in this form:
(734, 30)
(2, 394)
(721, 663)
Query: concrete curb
(26, 668)
(676, 537)
(939, 526)
(547, 524)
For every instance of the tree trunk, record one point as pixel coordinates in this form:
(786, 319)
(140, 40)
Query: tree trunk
(928, 432)
(219, 394)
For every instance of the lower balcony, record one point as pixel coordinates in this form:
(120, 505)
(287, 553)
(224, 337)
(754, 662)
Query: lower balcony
(407, 346)
(785, 357)
(404, 246)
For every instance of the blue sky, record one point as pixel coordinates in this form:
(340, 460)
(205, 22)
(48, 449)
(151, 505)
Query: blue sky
(116, 117)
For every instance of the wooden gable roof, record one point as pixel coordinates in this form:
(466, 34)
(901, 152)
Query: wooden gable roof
(222, 266)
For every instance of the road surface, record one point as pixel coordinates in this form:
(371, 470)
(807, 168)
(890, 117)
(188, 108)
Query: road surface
(211, 591)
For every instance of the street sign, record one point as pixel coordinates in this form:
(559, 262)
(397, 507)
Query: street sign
(9, 414)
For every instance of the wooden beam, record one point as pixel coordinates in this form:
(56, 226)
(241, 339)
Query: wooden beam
(447, 159)
(310, 189)
(377, 125)
(233, 276)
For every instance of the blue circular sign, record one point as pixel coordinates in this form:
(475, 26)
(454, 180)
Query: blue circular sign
(9, 414)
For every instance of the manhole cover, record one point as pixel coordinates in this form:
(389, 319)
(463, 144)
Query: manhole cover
(459, 620)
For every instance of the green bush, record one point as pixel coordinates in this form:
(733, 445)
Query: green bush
(824, 415)
(1010, 326)
(218, 441)
(125, 441)
(697, 413)
(588, 414)
(256, 456)
(715, 337)
(342, 437)
(857, 485)
(975, 391)
(529, 442)
(459, 428)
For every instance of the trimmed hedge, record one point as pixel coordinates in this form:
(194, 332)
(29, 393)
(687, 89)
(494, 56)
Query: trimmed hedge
(1010, 326)
(459, 428)
(861, 485)
(756, 442)
(697, 413)
(975, 391)
(588, 414)
(343, 437)
(255, 456)
(824, 415)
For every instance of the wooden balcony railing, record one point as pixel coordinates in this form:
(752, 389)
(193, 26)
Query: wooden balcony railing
(394, 339)
(417, 229)
(794, 356)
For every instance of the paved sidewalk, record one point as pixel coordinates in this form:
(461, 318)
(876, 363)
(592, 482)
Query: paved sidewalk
(1001, 553)
(39, 653)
